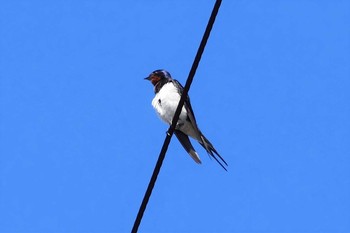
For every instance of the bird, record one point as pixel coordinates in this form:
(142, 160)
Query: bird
(168, 92)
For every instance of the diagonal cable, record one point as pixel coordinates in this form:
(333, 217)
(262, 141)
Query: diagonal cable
(176, 116)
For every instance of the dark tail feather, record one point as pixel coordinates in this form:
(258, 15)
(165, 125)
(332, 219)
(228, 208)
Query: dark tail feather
(185, 142)
(211, 151)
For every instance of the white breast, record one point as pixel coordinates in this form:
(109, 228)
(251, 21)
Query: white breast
(165, 103)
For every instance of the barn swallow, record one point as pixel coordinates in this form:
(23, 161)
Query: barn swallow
(168, 92)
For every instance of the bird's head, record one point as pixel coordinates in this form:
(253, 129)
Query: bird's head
(157, 76)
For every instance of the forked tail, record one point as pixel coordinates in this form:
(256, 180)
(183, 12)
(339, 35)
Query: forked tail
(212, 152)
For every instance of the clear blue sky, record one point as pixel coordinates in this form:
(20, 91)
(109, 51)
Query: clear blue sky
(79, 138)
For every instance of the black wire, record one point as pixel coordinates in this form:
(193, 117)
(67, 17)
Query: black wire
(176, 117)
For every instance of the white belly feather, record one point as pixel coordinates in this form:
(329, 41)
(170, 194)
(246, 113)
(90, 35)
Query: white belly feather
(165, 103)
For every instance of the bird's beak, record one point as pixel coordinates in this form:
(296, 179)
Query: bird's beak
(148, 78)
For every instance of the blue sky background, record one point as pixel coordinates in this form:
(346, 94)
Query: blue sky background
(79, 138)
